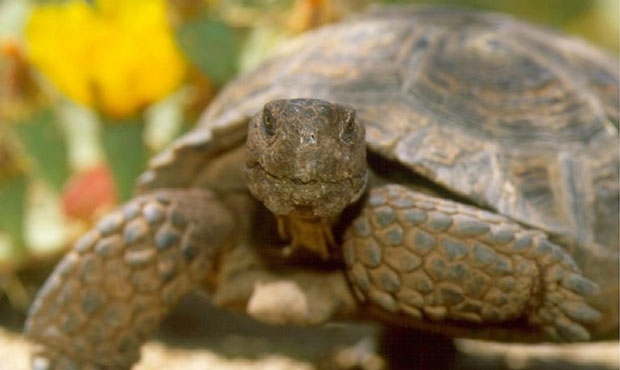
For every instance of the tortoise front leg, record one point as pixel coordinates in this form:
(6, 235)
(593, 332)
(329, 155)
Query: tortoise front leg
(110, 292)
(434, 259)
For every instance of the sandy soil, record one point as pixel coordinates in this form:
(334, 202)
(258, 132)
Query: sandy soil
(157, 355)
(163, 355)
(208, 338)
(14, 351)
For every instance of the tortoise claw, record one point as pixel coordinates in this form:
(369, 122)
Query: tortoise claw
(564, 308)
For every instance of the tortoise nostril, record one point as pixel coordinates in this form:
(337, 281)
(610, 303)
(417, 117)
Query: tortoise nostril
(309, 139)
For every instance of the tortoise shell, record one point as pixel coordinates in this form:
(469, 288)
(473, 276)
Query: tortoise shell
(501, 113)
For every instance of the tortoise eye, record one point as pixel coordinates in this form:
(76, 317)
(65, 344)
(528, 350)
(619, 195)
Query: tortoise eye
(269, 126)
(348, 128)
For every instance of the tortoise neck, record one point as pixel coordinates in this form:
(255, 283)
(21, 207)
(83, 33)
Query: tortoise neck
(313, 233)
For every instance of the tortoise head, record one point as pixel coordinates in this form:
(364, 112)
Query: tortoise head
(306, 157)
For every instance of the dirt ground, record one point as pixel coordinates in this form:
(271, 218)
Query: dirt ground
(214, 339)
(158, 355)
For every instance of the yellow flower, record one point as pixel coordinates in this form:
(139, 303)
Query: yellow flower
(116, 55)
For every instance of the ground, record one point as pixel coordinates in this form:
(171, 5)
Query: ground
(214, 339)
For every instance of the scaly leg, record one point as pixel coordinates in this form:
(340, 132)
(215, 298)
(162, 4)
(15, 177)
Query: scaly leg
(110, 292)
(435, 259)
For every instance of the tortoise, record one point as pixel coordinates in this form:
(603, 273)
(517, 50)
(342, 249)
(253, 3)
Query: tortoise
(450, 170)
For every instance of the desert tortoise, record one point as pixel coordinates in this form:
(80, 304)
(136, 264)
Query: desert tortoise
(480, 200)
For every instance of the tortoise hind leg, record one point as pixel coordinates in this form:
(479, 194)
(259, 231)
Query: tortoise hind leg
(434, 259)
(111, 290)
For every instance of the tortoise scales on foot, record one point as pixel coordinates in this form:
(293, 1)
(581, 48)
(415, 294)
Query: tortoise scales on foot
(490, 199)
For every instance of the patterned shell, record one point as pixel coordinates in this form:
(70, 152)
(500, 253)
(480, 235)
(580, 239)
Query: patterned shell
(511, 116)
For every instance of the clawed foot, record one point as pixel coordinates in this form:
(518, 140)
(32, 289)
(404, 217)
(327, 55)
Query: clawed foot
(564, 312)
(433, 259)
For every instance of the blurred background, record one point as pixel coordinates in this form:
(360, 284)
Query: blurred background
(84, 102)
